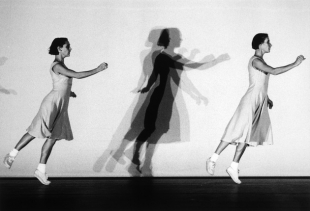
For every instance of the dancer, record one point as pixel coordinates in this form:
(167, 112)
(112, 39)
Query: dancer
(250, 124)
(52, 120)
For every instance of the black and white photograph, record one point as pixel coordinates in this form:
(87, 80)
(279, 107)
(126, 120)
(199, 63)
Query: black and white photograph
(154, 105)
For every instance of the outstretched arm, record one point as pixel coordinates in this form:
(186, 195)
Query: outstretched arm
(61, 69)
(205, 63)
(261, 65)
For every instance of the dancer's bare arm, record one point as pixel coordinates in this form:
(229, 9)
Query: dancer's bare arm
(261, 65)
(61, 69)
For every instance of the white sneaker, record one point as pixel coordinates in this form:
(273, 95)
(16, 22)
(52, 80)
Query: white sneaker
(42, 177)
(233, 174)
(210, 166)
(8, 161)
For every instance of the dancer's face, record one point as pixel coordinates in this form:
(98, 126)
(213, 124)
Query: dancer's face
(175, 38)
(178, 41)
(65, 50)
(266, 45)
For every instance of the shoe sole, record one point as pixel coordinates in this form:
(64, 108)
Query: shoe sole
(40, 179)
(238, 182)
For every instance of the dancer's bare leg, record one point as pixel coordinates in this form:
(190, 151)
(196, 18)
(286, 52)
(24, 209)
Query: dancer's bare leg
(26, 139)
(210, 166)
(46, 150)
(10, 157)
(233, 170)
(40, 173)
(221, 147)
(239, 151)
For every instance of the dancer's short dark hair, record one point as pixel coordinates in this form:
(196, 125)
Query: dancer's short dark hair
(164, 38)
(258, 39)
(57, 42)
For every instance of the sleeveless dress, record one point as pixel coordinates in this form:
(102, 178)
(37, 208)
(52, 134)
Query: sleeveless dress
(251, 123)
(52, 120)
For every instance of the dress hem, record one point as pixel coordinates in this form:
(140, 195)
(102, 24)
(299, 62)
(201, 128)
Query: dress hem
(250, 144)
(40, 136)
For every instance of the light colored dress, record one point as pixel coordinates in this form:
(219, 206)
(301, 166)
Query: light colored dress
(52, 120)
(251, 123)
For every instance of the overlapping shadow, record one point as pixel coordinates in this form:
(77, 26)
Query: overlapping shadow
(160, 115)
(2, 89)
(133, 120)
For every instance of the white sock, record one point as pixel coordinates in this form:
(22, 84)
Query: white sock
(234, 165)
(14, 152)
(214, 157)
(42, 168)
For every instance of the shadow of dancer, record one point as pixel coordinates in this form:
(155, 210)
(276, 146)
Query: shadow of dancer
(172, 121)
(2, 89)
(159, 111)
(132, 123)
(168, 116)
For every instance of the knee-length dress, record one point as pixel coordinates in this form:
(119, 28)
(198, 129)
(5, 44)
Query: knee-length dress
(251, 123)
(52, 120)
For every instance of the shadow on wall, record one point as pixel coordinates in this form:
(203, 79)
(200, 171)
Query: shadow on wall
(160, 114)
(2, 89)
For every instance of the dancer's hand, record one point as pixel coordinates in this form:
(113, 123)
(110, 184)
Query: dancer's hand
(182, 51)
(145, 89)
(103, 66)
(223, 57)
(204, 100)
(72, 94)
(200, 98)
(135, 90)
(269, 103)
(299, 60)
(195, 51)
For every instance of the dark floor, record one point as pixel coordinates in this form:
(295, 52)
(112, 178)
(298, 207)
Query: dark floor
(155, 194)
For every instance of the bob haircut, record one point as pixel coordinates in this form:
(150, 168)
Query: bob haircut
(258, 39)
(57, 42)
(164, 38)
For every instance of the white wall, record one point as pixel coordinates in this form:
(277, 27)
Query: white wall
(116, 32)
